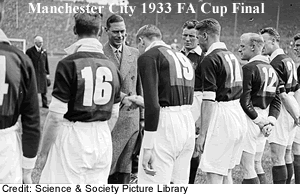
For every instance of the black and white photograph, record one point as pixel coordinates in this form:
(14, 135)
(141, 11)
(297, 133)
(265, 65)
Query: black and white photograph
(158, 93)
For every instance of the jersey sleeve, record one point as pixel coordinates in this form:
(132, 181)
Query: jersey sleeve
(208, 78)
(279, 69)
(30, 112)
(149, 77)
(275, 106)
(63, 82)
(245, 100)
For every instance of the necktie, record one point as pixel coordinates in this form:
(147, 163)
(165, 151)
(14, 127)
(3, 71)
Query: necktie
(118, 55)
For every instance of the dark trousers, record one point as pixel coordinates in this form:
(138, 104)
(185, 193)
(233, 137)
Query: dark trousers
(119, 178)
(44, 99)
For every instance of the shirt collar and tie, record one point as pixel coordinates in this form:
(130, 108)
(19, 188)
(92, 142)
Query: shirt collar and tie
(117, 51)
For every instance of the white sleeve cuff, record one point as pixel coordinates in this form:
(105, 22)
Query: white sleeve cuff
(272, 120)
(28, 163)
(58, 106)
(209, 95)
(258, 119)
(148, 139)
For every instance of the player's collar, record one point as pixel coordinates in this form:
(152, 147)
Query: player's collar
(214, 46)
(85, 45)
(3, 37)
(260, 58)
(276, 53)
(157, 43)
(196, 50)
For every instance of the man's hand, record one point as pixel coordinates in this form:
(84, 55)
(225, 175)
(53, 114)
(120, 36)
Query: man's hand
(126, 101)
(264, 121)
(266, 130)
(148, 159)
(27, 176)
(200, 142)
(137, 100)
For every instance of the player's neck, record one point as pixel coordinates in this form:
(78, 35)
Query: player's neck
(86, 36)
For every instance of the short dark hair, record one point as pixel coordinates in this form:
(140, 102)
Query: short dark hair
(297, 37)
(272, 31)
(149, 31)
(190, 24)
(88, 23)
(210, 26)
(113, 19)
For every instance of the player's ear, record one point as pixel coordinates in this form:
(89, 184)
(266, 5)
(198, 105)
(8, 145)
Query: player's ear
(100, 31)
(74, 30)
(205, 36)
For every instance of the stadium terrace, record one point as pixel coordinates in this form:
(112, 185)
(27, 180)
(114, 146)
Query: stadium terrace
(66, 8)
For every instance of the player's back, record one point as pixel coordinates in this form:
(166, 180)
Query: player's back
(221, 73)
(90, 84)
(287, 71)
(16, 76)
(264, 82)
(175, 75)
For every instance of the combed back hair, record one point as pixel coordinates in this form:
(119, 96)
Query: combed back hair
(88, 23)
(297, 37)
(254, 39)
(272, 32)
(190, 24)
(210, 26)
(149, 31)
(113, 19)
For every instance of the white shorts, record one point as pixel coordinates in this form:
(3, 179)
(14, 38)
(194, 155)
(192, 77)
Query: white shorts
(223, 144)
(10, 155)
(81, 154)
(297, 136)
(254, 140)
(196, 106)
(173, 147)
(285, 130)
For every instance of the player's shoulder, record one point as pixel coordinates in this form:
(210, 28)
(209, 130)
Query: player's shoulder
(12, 50)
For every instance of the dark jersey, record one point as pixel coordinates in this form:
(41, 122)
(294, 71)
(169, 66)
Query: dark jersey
(18, 96)
(286, 70)
(90, 84)
(260, 89)
(196, 60)
(221, 73)
(168, 80)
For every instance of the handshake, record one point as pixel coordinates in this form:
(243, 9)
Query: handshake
(132, 102)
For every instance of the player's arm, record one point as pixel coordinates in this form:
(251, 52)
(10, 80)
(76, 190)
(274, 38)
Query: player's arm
(149, 77)
(249, 75)
(30, 117)
(209, 85)
(117, 101)
(57, 108)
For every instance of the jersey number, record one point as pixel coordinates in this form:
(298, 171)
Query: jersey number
(3, 85)
(269, 85)
(234, 65)
(293, 73)
(103, 89)
(187, 69)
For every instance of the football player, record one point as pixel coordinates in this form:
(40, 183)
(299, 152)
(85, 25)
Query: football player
(192, 50)
(18, 96)
(222, 119)
(76, 142)
(169, 135)
(259, 100)
(282, 137)
(296, 143)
